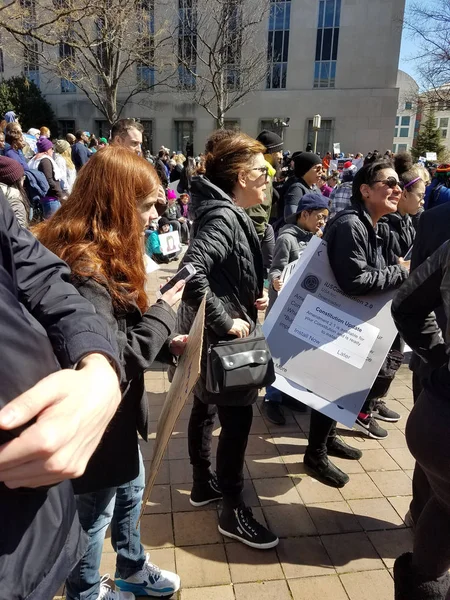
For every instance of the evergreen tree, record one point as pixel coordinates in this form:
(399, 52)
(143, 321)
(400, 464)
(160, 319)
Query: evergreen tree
(429, 138)
(26, 100)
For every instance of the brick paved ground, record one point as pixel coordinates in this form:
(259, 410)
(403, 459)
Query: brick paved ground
(337, 544)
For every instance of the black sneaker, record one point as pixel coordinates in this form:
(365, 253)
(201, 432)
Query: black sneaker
(324, 471)
(370, 427)
(240, 524)
(337, 447)
(205, 492)
(274, 412)
(383, 413)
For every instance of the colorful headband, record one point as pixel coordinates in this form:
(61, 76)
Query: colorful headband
(407, 185)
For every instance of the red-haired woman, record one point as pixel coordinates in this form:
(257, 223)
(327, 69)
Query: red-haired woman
(99, 233)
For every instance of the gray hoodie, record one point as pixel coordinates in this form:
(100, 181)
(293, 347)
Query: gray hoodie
(289, 246)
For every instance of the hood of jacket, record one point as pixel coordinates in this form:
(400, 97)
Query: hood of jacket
(301, 235)
(205, 196)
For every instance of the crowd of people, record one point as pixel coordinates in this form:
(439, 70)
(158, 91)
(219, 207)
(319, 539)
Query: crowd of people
(80, 217)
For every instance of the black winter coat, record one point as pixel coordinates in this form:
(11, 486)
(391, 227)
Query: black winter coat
(41, 316)
(413, 309)
(358, 254)
(403, 232)
(141, 338)
(226, 253)
(292, 195)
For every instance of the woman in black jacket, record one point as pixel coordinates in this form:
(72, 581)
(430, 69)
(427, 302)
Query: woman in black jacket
(357, 255)
(424, 573)
(226, 254)
(100, 235)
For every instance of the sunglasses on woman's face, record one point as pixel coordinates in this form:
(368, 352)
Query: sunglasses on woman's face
(391, 182)
(263, 170)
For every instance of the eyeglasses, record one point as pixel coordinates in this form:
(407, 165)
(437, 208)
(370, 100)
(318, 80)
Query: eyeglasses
(391, 182)
(263, 170)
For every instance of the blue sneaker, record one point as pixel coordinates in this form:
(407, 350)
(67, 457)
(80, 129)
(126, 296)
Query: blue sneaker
(150, 581)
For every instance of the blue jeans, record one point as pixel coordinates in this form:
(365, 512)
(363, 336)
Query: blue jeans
(273, 395)
(50, 207)
(121, 507)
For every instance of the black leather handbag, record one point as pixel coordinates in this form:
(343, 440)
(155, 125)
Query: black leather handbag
(239, 364)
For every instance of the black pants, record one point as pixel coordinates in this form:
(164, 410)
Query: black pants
(428, 437)
(420, 485)
(236, 422)
(267, 249)
(323, 427)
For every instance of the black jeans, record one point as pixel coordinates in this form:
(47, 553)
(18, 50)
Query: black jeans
(321, 429)
(427, 435)
(236, 422)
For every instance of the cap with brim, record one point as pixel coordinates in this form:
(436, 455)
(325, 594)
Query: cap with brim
(444, 168)
(310, 201)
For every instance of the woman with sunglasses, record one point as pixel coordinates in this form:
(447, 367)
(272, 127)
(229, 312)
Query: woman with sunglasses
(401, 224)
(226, 254)
(359, 259)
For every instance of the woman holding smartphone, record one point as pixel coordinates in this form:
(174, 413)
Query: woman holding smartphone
(226, 254)
(99, 233)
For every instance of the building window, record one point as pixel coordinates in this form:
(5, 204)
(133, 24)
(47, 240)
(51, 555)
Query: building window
(272, 125)
(405, 121)
(396, 132)
(394, 148)
(233, 17)
(443, 122)
(31, 61)
(145, 75)
(67, 65)
(278, 43)
(327, 42)
(402, 147)
(184, 137)
(408, 105)
(324, 137)
(65, 127)
(147, 142)
(187, 43)
(397, 121)
(444, 133)
(232, 124)
(404, 132)
(102, 128)
(145, 70)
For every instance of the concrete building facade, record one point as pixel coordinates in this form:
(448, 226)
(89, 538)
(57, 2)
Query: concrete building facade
(336, 58)
(406, 124)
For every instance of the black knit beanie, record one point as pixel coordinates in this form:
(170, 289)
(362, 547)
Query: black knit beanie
(271, 141)
(304, 162)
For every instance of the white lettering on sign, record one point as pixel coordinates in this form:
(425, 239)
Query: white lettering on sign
(334, 331)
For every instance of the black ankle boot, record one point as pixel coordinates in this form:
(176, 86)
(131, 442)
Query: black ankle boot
(324, 471)
(410, 585)
(337, 447)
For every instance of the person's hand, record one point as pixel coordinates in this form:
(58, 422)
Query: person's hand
(182, 219)
(178, 344)
(175, 293)
(277, 284)
(240, 328)
(262, 303)
(319, 233)
(72, 410)
(406, 264)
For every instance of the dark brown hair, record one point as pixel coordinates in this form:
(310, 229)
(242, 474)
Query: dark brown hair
(14, 139)
(229, 157)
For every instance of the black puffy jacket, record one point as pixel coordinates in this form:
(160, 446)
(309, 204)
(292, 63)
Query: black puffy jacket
(226, 254)
(359, 255)
(403, 231)
(41, 316)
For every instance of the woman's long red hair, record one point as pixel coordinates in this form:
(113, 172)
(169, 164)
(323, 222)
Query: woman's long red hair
(98, 230)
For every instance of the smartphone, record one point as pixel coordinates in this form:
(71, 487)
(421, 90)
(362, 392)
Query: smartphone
(186, 273)
(408, 254)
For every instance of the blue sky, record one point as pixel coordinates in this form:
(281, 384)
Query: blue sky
(408, 48)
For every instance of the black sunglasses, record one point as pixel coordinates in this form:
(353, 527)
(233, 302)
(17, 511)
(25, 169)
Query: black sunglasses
(263, 170)
(391, 182)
